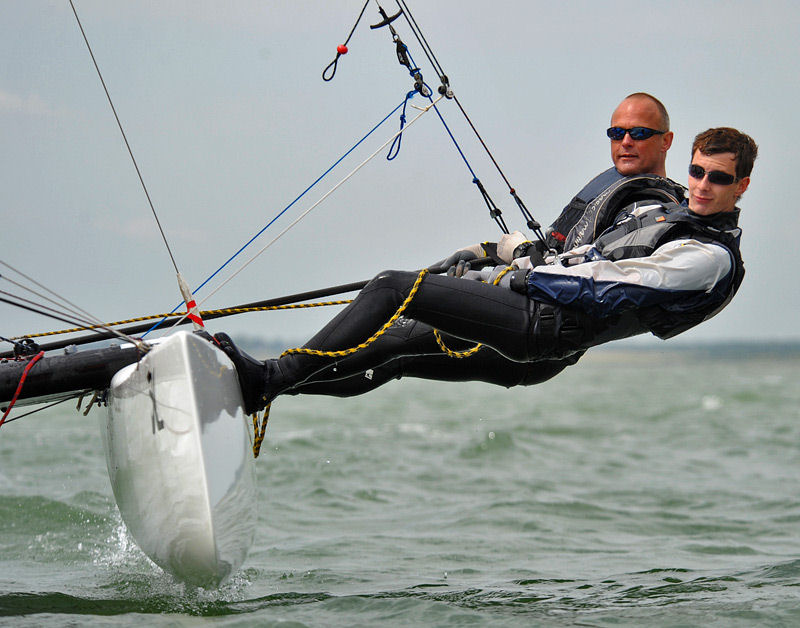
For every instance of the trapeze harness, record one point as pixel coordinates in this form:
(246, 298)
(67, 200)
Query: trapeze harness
(639, 236)
(604, 194)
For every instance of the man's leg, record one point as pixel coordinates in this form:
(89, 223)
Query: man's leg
(473, 311)
(518, 328)
(422, 357)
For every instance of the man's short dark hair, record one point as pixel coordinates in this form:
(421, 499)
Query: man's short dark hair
(662, 110)
(727, 140)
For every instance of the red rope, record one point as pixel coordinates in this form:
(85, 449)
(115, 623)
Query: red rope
(33, 361)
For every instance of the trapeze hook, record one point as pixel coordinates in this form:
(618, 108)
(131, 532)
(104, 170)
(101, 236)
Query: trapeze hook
(386, 19)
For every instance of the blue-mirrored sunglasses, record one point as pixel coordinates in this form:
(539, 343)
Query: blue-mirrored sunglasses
(617, 133)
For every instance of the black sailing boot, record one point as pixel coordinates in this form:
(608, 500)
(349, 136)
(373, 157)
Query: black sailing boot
(256, 378)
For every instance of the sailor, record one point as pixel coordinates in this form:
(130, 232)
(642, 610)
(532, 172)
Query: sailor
(661, 267)
(640, 138)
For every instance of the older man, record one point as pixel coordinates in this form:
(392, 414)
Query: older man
(640, 138)
(662, 268)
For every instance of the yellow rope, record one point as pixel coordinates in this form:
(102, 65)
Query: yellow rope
(343, 352)
(502, 274)
(455, 354)
(241, 310)
(232, 310)
(439, 340)
(467, 352)
(259, 432)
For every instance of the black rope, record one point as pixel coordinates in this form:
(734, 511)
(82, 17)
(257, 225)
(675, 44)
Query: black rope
(444, 89)
(16, 343)
(49, 405)
(81, 321)
(341, 49)
(494, 210)
(124, 137)
(42, 312)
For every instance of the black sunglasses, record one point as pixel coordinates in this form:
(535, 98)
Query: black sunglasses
(617, 133)
(716, 177)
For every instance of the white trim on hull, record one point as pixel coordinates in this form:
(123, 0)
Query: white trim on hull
(179, 455)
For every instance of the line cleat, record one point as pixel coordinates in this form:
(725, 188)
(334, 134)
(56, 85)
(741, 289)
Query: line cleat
(251, 374)
(25, 347)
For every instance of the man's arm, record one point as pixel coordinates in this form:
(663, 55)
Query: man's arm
(677, 270)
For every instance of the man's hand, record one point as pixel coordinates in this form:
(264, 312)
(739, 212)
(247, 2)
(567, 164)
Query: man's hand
(511, 278)
(509, 243)
(459, 269)
(486, 275)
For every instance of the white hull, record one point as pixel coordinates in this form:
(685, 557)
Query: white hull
(180, 460)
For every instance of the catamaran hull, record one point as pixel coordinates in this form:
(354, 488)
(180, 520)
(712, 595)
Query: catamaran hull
(180, 460)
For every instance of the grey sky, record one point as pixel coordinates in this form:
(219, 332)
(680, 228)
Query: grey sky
(229, 120)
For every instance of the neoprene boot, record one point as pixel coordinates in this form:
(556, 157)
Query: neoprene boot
(256, 378)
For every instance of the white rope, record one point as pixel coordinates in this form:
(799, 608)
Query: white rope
(423, 111)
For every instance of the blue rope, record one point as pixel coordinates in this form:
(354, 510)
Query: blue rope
(447, 128)
(494, 210)
(395, 144)
(398, 140)
(283, 211)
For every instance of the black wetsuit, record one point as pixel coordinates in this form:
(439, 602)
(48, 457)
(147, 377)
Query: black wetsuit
(409, 347)
(692, 266)
(421, 356)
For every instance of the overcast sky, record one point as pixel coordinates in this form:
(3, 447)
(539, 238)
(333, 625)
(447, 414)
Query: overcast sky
(229, 119)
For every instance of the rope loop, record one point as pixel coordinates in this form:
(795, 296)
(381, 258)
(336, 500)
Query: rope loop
(341, 49)
(414, 289)
(455, 354)
(394, 149)
(472, 351)
(332, 64)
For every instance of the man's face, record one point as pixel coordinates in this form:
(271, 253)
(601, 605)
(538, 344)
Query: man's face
(643, 156)
(706, 198)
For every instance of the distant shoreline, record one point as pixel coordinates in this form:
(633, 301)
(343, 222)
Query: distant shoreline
(709, 348)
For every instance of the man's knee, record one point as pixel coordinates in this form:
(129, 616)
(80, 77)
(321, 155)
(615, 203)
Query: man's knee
(538, 372)
(397, 280)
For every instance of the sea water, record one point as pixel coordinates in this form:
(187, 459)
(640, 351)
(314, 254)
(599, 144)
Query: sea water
(657, 488)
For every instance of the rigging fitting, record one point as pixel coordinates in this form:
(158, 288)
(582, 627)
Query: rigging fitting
(401, 50)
